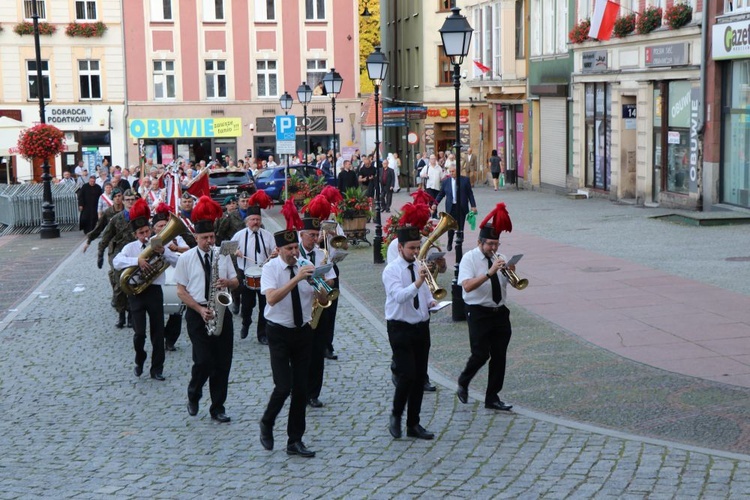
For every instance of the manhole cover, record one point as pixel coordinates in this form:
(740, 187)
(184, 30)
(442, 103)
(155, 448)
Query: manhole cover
(600, 269)
(738, 259)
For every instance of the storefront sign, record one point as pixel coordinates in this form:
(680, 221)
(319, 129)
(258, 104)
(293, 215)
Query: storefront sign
(695, 103)
(669, 54)
(731, 40)
(593, 61)
(679, 104)
(445, 112)
(185, 127)
(60, 116)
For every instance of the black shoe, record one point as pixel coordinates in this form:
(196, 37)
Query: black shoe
(158, 376)
(428, 387)
(315, 403)
(120, 321)
(138, 370)
(463, 394)
(192, 408)
(498, 405)
(330, 355)
(243, 331)
(394, 426)
(419, 432)
(298, 448)
(222, 418)
(450, 246)
(263, 340)
(169, 347)
(266, 436)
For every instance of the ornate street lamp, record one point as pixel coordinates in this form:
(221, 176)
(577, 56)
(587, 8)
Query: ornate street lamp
(304, 96)
(49, 228)
(333, 83)
(286, 103)
(456, 34)
(377, 69)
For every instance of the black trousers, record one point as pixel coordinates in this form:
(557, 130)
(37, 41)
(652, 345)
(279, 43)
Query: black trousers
(290, 361)
(149, 302)
(334, 309)
(489, 336)
(212, 360)
(173, 328)
(387, 198)
(411, 349)
(454, 214)
(317, 353)
(249, 299)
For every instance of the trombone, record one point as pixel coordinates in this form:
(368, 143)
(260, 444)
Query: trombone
(511, 276)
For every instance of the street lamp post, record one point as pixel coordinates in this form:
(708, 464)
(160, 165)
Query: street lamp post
(286, 102)
(456, 34)
(304, 96)
(49, 228)
(333, 83)
(377, 69)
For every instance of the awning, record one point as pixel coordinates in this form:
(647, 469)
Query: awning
(71, 146)
(9, 130)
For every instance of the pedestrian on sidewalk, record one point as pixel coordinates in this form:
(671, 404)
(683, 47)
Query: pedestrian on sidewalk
(387, 178)
(450, 189)
(496, 167)
(488, 317)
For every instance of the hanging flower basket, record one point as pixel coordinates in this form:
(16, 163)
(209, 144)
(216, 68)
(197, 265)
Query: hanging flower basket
(27, 28)
(41, 142)
(86, 30)
(624, 25)
(649, 20)
(678, 15)
(580, 32)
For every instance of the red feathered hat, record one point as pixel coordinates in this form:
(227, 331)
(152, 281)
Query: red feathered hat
(318, 208)
(414, 214)
(205, 214)
(257, 201)
(289, 211)
(495, 223)
(420, 196)
(139, 214)
(162, 213)
(332, 194)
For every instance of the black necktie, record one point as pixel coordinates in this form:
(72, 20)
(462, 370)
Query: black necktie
(257, 246)
(413, 279)
(143, 246)
(207, 272)
(296, 302)
(312, 256)
(497, 294)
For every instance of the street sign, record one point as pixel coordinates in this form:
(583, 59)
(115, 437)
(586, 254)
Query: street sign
(394, 124)
(285, 147)
(413, 138)
(285, 128)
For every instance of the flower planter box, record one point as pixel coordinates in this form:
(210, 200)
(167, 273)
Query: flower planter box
(355, 224)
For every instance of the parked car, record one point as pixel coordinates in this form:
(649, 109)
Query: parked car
(272, 180)
(223, 183)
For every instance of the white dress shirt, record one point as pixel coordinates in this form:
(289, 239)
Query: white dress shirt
(190, 274)
(392, 253)
(319, 254)
(245, 238)
(434, 175)
(128, 257)
(473, 265)
(400, 292)
(275, 275)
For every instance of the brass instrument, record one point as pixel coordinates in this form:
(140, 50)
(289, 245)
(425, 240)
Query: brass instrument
(512, 277)
(218, 300)
(135, 280)
(320, 286)
(337, 242)
(446, 223)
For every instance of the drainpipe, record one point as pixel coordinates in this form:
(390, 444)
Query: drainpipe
(125, 87)
(702, 108)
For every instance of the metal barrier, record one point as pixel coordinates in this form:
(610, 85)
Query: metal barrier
(21, 208)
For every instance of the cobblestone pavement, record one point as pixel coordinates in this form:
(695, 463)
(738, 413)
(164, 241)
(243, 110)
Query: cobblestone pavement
(77, 423)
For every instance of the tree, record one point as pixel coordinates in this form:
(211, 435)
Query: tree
(369, 38)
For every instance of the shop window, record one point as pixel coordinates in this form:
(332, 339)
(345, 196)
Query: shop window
(735, 176)
(28, 9)
(86, 10)
(598, 136)
(89, 80)
(213, 10)
(265, 10)
(672, 115)
(315, 10)
(316, 70)
(164, 80)
(161, 10)
(444, 68)
(267, 79)
(33, 83)
(216, 79)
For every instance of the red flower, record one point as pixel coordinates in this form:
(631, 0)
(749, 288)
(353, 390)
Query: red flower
(41, 141)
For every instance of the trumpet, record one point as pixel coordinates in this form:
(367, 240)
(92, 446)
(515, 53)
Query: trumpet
(337, 242)
(511, 276)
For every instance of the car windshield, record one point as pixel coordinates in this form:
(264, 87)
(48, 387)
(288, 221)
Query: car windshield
(264, 174)
(228, 177)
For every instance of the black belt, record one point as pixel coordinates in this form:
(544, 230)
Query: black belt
(276, 325)
(495, 309)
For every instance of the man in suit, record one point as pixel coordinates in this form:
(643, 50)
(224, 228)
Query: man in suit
(449, 190)
(470, 162)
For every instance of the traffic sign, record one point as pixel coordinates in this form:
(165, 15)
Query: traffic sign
(286, 128)
(285, 147)
(394, 124)
(413, 138)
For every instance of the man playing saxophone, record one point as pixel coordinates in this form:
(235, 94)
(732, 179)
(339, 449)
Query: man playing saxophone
(151, 300)
(212, 354)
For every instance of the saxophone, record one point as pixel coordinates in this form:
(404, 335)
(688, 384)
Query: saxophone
(218, 300)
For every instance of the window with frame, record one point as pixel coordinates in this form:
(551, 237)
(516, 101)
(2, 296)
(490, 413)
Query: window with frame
(316, 70)
(85, 10)
(28, 9)
(733, 6)
(446, 5)
(267, 77)
(213, 10)
(265, 10)
(477, 38)
(164, 80)
(89, 80)
(549, 27)
(161, 10)
(33, 83)
(444, 68)
(585, 6)
(216, 79)
(315, 10)
(520, 48)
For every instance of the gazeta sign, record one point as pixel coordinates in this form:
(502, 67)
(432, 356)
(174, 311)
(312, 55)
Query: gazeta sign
(175, 128)
(731, 41)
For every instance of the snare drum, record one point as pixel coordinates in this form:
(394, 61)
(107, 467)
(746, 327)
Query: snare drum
(252, 277)
(172, 303)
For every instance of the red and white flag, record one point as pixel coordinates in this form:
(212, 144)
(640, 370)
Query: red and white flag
(603, 21)
(199, 186)
(482, 67)
(172, 192)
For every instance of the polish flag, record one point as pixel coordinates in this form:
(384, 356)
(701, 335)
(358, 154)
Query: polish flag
(482, 67)
(199, 186)
(603, 22)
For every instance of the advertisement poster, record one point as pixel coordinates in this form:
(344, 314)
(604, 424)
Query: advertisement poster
(500, 142)
(519, 143)
(167, 154)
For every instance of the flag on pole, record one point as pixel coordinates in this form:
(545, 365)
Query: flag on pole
(603, 21)
(199, 186)
(172, 191)
(482, 67)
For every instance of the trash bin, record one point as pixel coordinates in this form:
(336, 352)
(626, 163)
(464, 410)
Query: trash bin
(510, 176)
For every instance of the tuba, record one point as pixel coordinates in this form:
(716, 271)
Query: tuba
(134, 280)
(446, 223)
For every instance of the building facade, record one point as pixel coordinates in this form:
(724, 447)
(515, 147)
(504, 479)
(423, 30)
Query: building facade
(205, 76)
(83, 79)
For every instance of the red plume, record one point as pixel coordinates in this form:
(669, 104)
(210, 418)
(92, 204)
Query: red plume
(500, 219)
(206, 209)
(415, 215)
(289, 211)
(261, 199)
(332, 194)
(420, 196)
(319, 207)
(163, 208)
(140, 209)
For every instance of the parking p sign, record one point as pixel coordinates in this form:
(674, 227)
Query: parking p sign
(286, 129)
